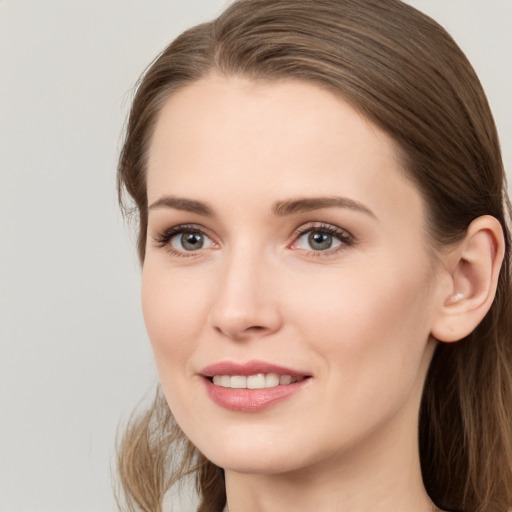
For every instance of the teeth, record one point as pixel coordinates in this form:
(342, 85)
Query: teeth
(258, 381)
(222, 380)
(285, 380)
(238, 382)
(271, 380)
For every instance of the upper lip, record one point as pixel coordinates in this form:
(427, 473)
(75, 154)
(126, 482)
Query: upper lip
(248, 368)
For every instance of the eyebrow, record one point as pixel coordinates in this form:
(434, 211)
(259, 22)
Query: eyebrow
(181, 203)
(308, 204)
(280, 208)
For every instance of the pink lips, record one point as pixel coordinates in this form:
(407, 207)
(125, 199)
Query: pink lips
(250, 400)
(249, 368)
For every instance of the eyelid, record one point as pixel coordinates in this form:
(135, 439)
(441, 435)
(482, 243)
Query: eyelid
(344, 236)
(163, 239)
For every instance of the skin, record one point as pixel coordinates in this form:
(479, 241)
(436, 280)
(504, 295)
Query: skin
(357, 318)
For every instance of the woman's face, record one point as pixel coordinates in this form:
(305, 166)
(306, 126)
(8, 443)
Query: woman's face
(287, 254)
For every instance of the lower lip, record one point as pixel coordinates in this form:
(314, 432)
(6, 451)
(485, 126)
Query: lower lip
(251, 400)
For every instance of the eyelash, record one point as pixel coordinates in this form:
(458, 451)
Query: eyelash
(345, 238)
(163, 239)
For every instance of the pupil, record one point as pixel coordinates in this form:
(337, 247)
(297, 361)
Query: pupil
(320, 241)
(191, 241)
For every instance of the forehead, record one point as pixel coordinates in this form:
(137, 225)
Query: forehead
(278, 115)
(276, 139)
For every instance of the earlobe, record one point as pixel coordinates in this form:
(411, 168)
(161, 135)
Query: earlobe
(473, 269)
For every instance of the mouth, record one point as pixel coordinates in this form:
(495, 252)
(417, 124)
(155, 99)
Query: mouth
(252, 386)
(257, 381)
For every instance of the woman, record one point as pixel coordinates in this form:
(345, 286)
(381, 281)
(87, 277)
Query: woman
(325, 253)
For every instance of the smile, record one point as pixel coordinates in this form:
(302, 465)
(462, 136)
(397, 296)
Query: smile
(257, 381)
(252, 386)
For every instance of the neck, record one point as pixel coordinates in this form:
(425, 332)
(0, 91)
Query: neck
(364, 489)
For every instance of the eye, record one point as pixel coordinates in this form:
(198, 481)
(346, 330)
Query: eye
(184, 240)
(322, 238)
(317, 241)
(189, 241)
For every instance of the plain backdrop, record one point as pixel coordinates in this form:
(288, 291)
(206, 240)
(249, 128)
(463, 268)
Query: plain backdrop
(74, 356)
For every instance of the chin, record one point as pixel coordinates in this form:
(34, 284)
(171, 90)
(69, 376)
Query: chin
(243, 455)
(262, 465)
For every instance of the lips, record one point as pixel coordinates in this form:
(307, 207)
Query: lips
(252, 386)
(249, 368)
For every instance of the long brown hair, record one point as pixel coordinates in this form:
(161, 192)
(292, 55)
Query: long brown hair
(403, 72)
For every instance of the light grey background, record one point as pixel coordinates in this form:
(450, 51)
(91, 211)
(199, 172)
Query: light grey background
(74, 357)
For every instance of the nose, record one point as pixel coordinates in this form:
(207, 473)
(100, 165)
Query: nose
(245, 304)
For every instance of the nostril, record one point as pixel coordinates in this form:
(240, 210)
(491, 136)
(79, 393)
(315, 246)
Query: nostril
(241, 333)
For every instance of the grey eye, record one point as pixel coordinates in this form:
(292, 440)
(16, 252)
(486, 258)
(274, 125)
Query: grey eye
(189, 241)
(319, 241)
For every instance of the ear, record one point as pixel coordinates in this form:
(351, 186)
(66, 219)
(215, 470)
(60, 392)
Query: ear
(472, 269)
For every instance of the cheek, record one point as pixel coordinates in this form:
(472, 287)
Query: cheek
(372, 337)
(173, 310)
(375, 318)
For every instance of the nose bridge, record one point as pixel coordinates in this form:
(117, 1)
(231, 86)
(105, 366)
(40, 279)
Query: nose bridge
(245, 303)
